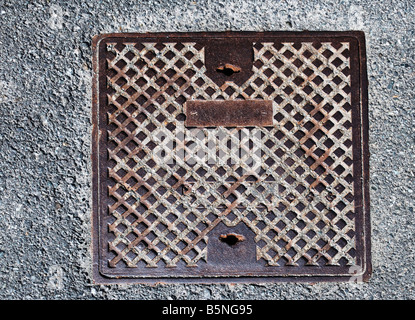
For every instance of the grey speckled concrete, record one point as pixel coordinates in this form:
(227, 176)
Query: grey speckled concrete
(45, 106)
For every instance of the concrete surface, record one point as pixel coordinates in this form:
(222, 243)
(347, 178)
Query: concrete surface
(45, 106)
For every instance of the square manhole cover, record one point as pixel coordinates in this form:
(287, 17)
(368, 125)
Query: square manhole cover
(226, 157)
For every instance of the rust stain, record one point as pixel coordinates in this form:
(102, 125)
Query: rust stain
(235, 113)
(228, 69)
(231, 238)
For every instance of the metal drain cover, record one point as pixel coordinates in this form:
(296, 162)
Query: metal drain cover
(226, 157)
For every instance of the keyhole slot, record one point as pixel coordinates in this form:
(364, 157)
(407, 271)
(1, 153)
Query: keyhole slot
(231, 239)
(228, 69)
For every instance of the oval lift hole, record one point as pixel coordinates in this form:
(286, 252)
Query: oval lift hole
(228, 69)
(231, 239)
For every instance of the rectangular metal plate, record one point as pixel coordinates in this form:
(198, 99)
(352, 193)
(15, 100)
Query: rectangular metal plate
(285, 201)
(229, 113)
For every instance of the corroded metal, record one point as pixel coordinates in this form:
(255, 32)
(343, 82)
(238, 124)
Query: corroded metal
(245, 197)
(228, 113)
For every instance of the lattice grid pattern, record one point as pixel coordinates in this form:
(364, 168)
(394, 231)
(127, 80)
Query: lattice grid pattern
(299, 202)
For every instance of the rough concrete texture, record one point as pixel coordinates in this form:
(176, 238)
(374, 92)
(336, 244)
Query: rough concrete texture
(45, 111)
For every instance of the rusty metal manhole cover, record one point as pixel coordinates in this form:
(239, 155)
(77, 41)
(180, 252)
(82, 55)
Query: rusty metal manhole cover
(230, 157)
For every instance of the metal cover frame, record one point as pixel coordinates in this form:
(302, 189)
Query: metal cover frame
(360, 137)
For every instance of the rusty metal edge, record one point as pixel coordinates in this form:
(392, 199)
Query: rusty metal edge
(359, 35)
(101, 278)
(364, 96)
(94, 165)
